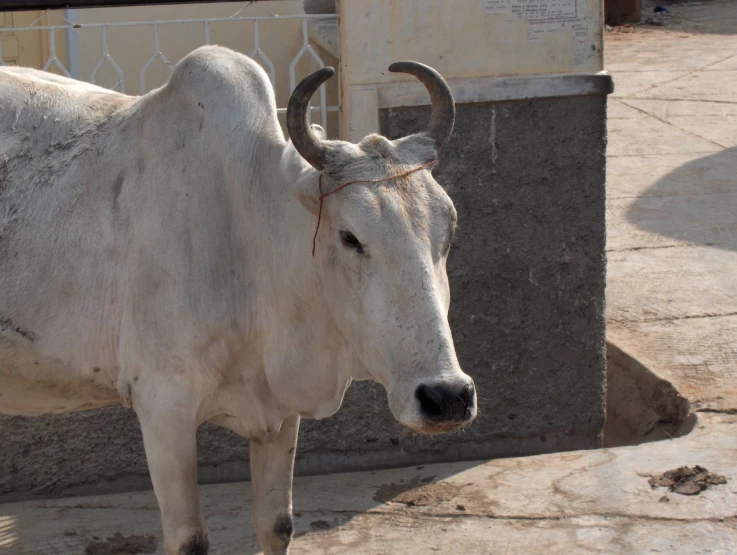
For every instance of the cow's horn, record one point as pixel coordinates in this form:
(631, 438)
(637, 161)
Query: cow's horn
(443, 112)
(303, 138)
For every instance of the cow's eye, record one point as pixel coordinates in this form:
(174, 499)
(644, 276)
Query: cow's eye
(349, 241)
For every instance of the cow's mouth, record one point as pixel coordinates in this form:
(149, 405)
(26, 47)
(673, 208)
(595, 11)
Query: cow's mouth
(431, 428)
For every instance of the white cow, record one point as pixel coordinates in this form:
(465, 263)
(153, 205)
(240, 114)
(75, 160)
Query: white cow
(155, 252)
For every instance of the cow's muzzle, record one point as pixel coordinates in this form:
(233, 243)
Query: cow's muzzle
(447, 406)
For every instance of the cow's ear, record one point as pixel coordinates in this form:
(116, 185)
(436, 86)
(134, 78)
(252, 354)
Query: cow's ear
(308, 194)
(302, 176)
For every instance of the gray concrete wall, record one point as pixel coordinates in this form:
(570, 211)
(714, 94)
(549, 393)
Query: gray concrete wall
(527, 274)
(527, 268)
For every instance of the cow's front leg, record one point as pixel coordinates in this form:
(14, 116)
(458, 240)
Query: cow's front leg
(170, 440)
(272, 466)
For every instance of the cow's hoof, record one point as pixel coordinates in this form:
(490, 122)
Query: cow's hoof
(276, 542)
(284, 528)
(198, 544)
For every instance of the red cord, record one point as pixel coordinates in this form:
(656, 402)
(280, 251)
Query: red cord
(323, 195)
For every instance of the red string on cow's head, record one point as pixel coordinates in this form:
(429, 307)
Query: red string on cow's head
(323, 195)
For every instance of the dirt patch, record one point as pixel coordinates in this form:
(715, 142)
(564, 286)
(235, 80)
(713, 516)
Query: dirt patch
(9, 325)
(687, 481)
(417, 492)
(122, 545)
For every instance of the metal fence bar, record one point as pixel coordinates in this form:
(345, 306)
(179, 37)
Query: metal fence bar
(53, 60)
(107, 58)
(257, 52)
(292, 69)
(157, 54)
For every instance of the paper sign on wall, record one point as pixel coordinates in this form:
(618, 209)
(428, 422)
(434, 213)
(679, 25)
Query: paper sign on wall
(533, 11)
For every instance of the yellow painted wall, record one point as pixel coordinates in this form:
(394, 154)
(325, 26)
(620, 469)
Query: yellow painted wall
(30, 48)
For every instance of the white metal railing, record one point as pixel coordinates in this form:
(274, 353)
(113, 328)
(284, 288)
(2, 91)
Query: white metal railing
(257, 53)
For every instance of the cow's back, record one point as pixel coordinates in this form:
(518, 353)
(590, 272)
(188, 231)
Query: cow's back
(115, 220)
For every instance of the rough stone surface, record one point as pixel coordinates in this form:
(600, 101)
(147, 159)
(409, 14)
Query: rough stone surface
(527, 267)
(527, 313)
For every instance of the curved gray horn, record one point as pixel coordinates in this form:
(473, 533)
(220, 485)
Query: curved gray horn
(443, 112)
(309, 145)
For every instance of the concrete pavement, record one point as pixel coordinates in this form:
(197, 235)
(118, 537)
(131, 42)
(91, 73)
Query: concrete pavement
(579, 502)
(672, 201)
(672, 306)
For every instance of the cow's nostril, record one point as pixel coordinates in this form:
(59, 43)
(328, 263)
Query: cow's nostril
(467, 396)
(431, 401)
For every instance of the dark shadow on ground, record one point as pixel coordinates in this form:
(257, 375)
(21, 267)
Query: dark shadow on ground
(641, 406)
(694, 204)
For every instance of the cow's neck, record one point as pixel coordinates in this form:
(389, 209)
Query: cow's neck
(306, 359)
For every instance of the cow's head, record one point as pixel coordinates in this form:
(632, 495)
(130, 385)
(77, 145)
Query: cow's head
(382, 249)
